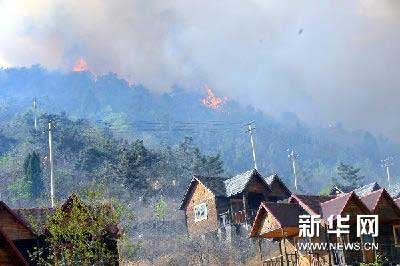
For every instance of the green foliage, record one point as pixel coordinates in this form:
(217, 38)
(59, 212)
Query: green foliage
(134, 162)
(160, 209)
(349, 174)
(207, 165)
(20, 189)
(33, 174)
(77, 234)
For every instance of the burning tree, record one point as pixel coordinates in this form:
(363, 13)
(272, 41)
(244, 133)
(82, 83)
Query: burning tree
(211, 100)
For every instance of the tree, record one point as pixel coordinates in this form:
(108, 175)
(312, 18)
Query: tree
(79, 233)
(207, 165)
(135, 164)
(33, 174)
(349, 174)
(160, 208)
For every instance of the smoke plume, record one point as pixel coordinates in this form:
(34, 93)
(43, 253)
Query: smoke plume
(327, 61)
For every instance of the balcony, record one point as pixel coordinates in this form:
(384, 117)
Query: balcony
(237, 218)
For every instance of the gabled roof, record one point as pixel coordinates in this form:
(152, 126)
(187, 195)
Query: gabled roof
(214, 184)
(286, 214)
(364, 190)
(311, 203)
(371, 200)
(337, 205)
(228, 187)
(397, 201)
(237, 184)
(8, 243)
(270, 180)
(17, 218)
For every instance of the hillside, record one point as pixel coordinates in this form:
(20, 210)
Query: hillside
(131, 111)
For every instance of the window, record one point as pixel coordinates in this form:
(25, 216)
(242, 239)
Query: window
(396, 234)
(200, 212)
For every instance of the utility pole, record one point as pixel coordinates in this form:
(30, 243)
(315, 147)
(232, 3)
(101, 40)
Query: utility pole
(386, 163)
(34, 112)
(293, 156)
(51, 165)
(250, 131)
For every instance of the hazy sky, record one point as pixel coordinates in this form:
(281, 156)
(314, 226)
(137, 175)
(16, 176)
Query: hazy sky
(326, 60)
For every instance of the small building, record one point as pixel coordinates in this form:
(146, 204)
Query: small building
(360, 191)
(213, 204)
(23, 230)
(16, 236)
(381, 203)
(279, 222)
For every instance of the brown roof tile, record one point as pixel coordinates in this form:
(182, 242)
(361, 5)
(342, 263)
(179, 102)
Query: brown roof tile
(337, 205)
(371, 200)
(311, 203)
(286, 214)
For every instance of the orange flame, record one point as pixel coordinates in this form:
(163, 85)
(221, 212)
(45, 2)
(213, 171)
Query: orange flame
(211, 100)
(80, 65)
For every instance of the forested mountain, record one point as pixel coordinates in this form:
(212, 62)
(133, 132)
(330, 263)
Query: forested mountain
(103, 123)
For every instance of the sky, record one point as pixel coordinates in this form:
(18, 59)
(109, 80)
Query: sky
(327, 61)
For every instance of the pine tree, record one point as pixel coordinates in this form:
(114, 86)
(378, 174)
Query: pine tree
(349, 174)
(33, 174)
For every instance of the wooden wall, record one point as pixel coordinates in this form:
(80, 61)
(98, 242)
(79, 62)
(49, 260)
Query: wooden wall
(278, 191)
(200, 194)
(11, 227)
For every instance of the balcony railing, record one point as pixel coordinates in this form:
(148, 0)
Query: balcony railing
(238, 217)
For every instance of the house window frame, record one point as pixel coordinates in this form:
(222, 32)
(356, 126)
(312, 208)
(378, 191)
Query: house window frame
(396, 241)
(204, 216)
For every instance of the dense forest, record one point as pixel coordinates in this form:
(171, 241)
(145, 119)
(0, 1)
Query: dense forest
(97, 118)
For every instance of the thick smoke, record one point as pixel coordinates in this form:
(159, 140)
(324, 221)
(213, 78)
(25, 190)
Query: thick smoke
(326, 60)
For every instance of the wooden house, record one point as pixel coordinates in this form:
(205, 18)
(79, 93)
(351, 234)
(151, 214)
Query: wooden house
(381, 203)
(280, 223)
(22, 230)
(211, 203)
(17, 238)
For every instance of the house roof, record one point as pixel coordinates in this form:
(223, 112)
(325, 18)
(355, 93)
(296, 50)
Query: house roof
(231, 186)
(364, 190)
(286, 214)
(274, 178)
(215, 184)
(16, 254)
(17, 217)
(397, 201)
(238, 183)
(311, 203)
(371, 200)
(337, 205)
(326, 205)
